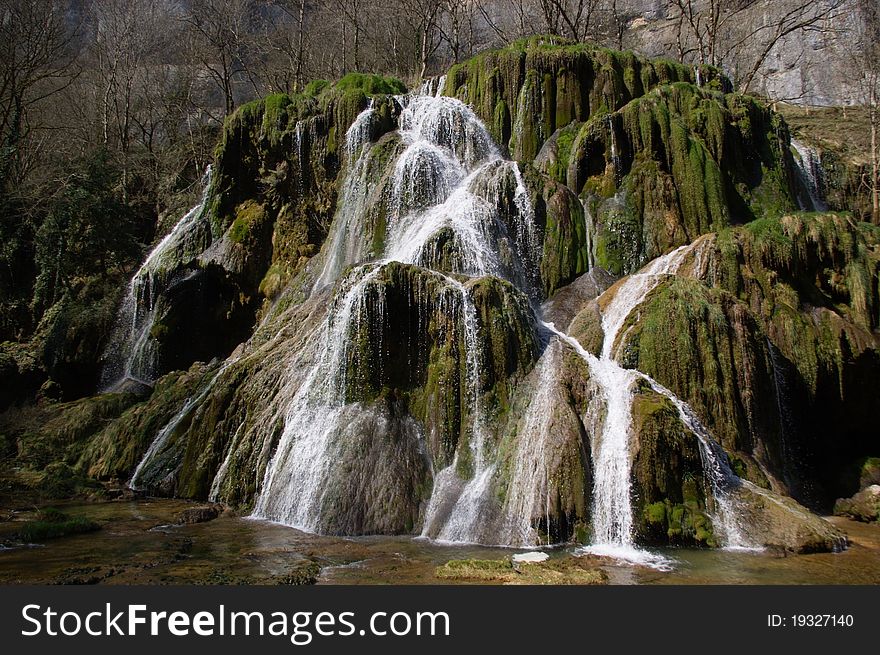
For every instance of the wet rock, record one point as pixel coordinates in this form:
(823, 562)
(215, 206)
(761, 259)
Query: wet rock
(565, 570)
(199, 514)
(571, 299)
(780, 524)
(863, 506)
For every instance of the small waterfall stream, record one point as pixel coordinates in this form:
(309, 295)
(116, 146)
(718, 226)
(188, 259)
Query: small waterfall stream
(612, 506)
(809, 166)
(131, 352)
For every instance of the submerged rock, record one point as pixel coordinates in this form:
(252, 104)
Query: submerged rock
(778, 522)
(864, 506)
(199, 514)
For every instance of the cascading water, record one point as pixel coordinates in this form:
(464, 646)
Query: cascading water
(529, 491)
(345, 241)
(717, 471)
(131, 352)
(449, 184)
(467, 499)
(615, 156)
(191, 405)
(449, 180)
(809, 165)
(612, 507)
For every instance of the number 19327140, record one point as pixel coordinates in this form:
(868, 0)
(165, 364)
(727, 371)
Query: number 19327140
(810, 621)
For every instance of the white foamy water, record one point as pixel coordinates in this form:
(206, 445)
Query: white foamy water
(131, 353)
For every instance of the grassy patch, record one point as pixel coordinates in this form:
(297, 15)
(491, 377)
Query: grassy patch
(846, 130)
(568, 570)
(52, 523)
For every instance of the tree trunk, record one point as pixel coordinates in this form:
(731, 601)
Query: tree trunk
(298, 77)
(875, 165)
(424, 54)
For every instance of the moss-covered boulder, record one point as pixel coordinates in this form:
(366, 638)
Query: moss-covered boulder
(283, 154)
(535, 86)
(774, 344)
(669, 485)
(863, 506)
(116, 450)
(676, 163)
(706, 346)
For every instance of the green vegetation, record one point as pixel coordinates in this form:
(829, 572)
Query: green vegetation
(567, 570)
(52, 524)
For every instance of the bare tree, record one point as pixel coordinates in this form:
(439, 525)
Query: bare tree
(515, 19)
(570, 18)
(722, 33)
(284, 34)
(457, 27)
(128, 35)
(36, 62)
(866, 46)
(220, 37)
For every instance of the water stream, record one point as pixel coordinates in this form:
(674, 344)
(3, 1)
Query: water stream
(131, 353)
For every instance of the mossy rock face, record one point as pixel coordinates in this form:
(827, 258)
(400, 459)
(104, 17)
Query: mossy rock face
(813, 281)
(203, 313)
(572, 299)
(560, 214)
(536, 86)
(115, 451)
(712, 352)
(774, 345)
(780, 524)
(669, 485)
(586, 327)
(44, 443)
(285, 154)
(676, 163)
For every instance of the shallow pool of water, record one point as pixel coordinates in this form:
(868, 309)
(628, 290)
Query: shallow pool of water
(139, 543)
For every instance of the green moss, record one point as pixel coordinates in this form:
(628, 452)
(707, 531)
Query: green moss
(566, 244)
(369, 84)
(55, 525)
(315, 87)
(548, 82)
(248, 216)
(656, 513)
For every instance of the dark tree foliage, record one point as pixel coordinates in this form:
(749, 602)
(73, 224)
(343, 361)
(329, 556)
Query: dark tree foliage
(87, 231)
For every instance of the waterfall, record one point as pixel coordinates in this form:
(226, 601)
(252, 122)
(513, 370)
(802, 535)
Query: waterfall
(345, 242)
(448, 183)
(463, 522)
(455, 207)
(612, 509)
(589, 224)
(529, 491)
(615, 157)
(722, 480)
(611, 451)
(131, 353)
(168, 430)
(812, 176)
(293, 482)
(433, 86)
